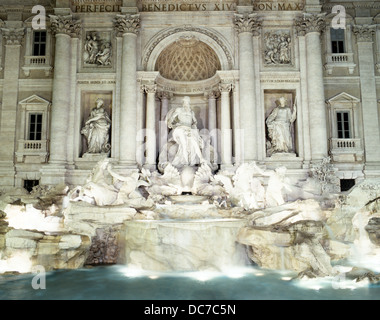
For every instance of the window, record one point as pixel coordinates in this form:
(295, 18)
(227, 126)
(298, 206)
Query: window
(343, 124)
(35, 126)
(337, 40)
(39, 43)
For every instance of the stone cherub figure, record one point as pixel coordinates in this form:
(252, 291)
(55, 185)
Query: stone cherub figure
(96, 129)
(279, 126)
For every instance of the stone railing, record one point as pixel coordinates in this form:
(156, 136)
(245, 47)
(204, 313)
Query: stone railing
(33, 145)
(340, 60)
(346, 144)
(32, 148)
(346, 150)
(37, 63)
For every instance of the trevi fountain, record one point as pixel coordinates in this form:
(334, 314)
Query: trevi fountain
(187, 218)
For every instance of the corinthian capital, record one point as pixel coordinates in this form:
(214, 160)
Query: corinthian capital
(310, 23)
(225, 87)
(126, 23)
(150, 88)
(247, 23)
(13, 36)
(364, 33)
(65, 25)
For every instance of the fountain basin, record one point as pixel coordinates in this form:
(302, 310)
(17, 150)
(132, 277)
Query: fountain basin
(188, 245)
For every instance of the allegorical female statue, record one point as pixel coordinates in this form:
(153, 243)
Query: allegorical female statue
(96, 129)
(279, 126)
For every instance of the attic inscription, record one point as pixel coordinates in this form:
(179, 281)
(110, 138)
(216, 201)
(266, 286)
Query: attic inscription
(96, 5)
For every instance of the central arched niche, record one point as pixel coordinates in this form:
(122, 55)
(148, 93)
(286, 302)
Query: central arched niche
(188, 59)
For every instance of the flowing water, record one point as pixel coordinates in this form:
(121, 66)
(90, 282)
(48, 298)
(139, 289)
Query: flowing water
(121, 283)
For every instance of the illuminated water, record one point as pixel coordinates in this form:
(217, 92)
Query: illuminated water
(121, 283)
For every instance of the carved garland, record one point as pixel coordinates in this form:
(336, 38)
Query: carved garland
(187, 29)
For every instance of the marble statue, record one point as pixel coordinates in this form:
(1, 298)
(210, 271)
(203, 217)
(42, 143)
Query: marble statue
(279, 127)
(278, 184)
(245, 189)
(96, 130)
(185, 147)
(98, 189)
(106, 187)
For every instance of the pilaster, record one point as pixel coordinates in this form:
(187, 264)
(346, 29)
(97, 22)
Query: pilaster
(13, 39)
(364, 38)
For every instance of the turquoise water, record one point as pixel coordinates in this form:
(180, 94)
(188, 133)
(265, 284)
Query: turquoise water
(121, 283)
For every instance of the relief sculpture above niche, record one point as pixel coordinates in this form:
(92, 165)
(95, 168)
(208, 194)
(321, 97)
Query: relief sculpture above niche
(277, 46)
(97, 50)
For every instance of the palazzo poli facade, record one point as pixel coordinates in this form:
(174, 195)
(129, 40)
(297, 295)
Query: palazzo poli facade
(128, 63)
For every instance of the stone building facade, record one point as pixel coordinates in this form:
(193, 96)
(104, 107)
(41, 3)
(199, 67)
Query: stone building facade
(234, 58)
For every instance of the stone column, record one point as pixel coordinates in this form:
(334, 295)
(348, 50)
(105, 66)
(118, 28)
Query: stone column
(364, 37)
(163, 128)
(212, 122)
(63, 27)
(151, 147)
(225, 125)
(127, 27)
(311, 26)
(247, 25)
(378, 47)
(13, 39)
(237, 136)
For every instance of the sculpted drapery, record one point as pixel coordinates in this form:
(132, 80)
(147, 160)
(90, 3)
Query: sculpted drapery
(279, 126)
(96, 129)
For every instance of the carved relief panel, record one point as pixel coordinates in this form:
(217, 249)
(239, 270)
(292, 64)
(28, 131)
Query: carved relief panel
(97, 49)
(277, 46)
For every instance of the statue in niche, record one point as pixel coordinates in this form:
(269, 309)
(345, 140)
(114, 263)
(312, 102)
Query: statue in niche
(277, 49)
(97, 51)
(96, 130)
(186, 146)
(279, 127)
